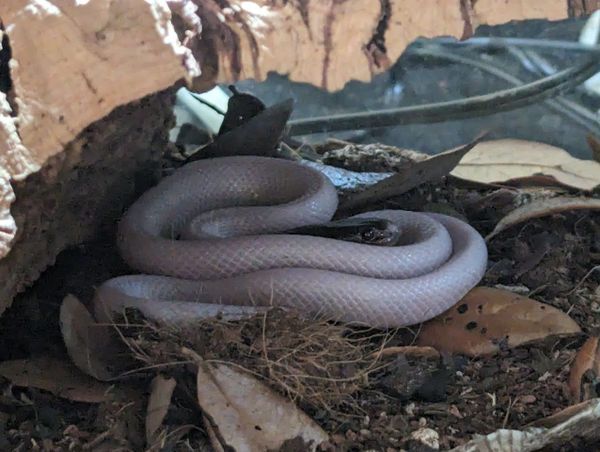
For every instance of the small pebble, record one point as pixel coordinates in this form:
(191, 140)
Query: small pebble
(528, 398)
(427, 436)
(545, 376)
(337, 439)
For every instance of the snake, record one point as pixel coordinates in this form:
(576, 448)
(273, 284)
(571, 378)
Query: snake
(210, 240)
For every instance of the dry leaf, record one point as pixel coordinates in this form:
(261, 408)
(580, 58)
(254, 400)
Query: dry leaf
(541, 208)
(161, 391)
(246, 415)
(585, 371)
(501, 160)
(422, 171)
(91, 346)
(565, 414)
(487, 319)
(579, 421)
(61, 378)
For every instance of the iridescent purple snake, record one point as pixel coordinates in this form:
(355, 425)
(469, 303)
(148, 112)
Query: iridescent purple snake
(210, 239)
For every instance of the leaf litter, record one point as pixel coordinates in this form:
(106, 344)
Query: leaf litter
(366, 389)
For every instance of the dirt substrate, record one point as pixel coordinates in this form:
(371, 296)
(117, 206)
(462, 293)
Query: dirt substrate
(367, 402)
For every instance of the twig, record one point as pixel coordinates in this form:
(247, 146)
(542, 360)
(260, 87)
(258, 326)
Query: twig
(574, 111)
(587, 275)
(210, 105)
(508, 410)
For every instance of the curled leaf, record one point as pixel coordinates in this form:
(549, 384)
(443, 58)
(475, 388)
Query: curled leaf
(503, 160)
(489, 319)
(542, 208)
(258, 135)
(588, 410)
(409, 177)
(90, 345)
(161, 391)
(585, 371)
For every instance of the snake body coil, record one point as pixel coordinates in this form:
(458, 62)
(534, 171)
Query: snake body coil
(208, 240)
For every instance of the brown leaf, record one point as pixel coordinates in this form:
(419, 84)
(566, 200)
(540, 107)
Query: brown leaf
(246, 414)
(422, 171)
(61, 378)
(487, 319)
(90, 345)
(541, 208)
(501, 160)
(161, 391)
(585, 371)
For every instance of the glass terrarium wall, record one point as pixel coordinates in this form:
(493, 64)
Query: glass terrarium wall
(427, 73)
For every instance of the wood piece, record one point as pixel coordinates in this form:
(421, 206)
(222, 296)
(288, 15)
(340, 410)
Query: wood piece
(72, 64)
(330, 42)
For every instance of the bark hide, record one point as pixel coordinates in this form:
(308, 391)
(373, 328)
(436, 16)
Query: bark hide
(86, 90)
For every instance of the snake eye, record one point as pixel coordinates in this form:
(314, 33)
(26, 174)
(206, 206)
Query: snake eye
(368, 235)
